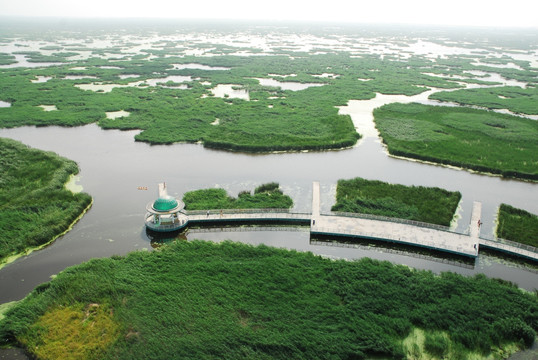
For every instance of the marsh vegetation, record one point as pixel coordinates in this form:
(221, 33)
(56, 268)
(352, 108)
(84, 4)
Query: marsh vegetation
(237, 301)
(34, 205)
(513, 98)
(419, 203)
(269, 118)
(468, 138)
(266, 196)
(517, 225)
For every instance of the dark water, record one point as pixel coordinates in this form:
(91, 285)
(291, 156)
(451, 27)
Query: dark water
(13, 354)
(113, 166)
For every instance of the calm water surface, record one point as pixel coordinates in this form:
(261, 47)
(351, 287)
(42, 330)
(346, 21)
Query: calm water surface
(113, 166)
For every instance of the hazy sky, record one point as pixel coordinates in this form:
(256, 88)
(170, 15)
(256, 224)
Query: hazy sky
(452, 12)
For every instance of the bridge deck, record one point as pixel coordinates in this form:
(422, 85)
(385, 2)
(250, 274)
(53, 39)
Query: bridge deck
(389, 231)
(396, 232)
(250, 216)
(431, 238)
(519, 250)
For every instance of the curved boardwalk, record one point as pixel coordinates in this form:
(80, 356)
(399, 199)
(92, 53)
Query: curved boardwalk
(249, 216)
(389, 231)
(427, 236)
(510, 248)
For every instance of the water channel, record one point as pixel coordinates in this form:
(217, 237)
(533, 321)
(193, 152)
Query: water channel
(113, 166)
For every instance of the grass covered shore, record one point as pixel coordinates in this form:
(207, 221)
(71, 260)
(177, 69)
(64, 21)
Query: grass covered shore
(513, 98)
(266, 196)
(34, 205)
(517, 225)
(419, 203)
(195, 300)
(473, 139)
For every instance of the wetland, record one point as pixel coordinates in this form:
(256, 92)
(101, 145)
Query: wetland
(312, 99)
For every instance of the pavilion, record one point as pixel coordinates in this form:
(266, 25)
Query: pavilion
(166, 213)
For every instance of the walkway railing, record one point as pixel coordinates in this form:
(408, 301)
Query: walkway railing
(248, 229)
(250, 215)
(457, 249)
(505, 244)
(396, 220)
(238, 211)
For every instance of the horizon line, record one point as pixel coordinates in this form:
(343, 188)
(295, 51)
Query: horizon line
(265, 21)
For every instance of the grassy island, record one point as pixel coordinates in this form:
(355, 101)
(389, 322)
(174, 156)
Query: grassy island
(186, 108)
(7, 59)
(517, 225)
(34, 205)
(419, 203)
(232, 301)
(513, 98)
(266, 196)
(473, 139)
(288, 95)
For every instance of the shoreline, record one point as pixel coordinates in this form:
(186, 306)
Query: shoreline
(8, 260)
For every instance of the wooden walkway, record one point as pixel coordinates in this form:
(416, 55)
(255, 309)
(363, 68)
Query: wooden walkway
(255, 217)
(390, 231)
(520, 250)
(438, 239)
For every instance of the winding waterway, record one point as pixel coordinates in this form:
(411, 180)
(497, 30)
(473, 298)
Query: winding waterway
(113, 166)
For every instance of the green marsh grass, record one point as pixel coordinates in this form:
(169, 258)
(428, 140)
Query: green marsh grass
(517, 225)
(513, 98)
(34, 205)
(274, 119)
(478, 140)
(419, 203)
(196, 300)
(265, 196)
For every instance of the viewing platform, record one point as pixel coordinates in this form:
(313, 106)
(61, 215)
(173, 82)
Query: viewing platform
(172, 217)
(166, 213)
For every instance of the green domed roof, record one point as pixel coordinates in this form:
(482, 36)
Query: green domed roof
(165, 204)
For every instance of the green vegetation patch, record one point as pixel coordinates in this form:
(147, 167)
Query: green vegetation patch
(473, 139)
(36, 56)
(72, 332)
(517, 225)
(7, 59)
(273, 119)
(266, 196)
(513, 98)
(199, 300)
(34, 205)
(419, 203)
